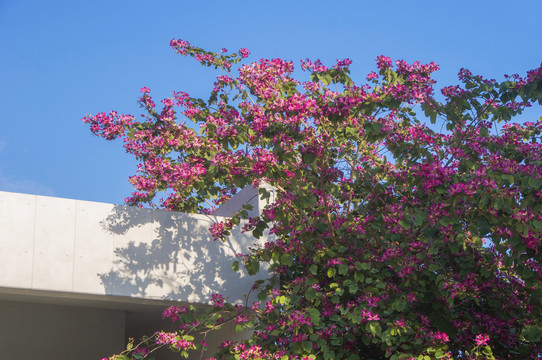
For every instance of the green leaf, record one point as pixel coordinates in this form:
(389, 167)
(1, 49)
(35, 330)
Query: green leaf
(247, 206)
(315, 316)
(359, 277)
(404, 223)
(535, 183)
(532, 333)
(352, 289)
(253, 267)
(235, 265)
(374, 328)
(287, 259)
(400, 305)
(212, 170)
(419, 219)
(356, 318)
(326, 78)
(310, 294)
(483, 227)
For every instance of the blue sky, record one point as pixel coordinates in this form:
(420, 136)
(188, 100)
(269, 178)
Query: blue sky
(61, 60)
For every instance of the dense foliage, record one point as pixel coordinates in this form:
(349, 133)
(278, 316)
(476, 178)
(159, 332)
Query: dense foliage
(394, 235)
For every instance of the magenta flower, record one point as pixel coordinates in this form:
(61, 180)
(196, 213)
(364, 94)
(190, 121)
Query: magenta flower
(373, 208)
(244, 53)
(217, 300)
(383, 62)
(481, 339)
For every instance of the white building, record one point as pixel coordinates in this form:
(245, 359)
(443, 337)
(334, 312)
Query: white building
(77, 278)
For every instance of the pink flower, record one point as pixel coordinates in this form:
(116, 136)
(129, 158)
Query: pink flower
(342, 64)
(315, 66)
(241, 319)
(217, 300)
(173, 312)
(372, 75)
(180, 45)
(145, 90)
(441, 337)
(481, 339)
(244, 53)
(167, 102)
(383, 62)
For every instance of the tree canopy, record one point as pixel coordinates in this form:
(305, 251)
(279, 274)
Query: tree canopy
(394, 234)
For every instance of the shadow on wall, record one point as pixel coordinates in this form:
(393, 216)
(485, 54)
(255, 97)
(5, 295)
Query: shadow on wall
(172, 256)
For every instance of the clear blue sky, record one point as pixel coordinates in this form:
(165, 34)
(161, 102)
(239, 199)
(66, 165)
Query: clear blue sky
(61, 60)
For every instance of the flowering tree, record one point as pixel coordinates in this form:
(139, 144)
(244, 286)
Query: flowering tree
(392, 239)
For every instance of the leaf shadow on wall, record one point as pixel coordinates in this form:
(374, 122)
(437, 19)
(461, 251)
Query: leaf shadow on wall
(172, 256)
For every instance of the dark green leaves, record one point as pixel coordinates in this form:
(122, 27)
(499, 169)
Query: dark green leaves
(532, 333)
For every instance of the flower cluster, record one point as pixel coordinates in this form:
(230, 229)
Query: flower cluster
(389, 238)
(173, 312)
(174, 340)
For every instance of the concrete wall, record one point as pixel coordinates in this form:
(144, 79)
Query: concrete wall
(250, 196)
(77, 278)
(77, 246)
(31, 331)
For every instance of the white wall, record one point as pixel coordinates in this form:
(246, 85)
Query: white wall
(86, 247)
(77, 278)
